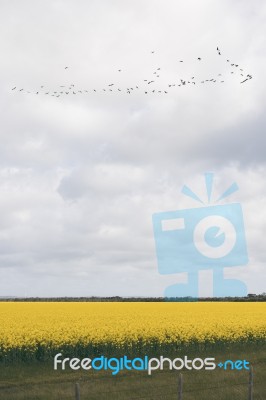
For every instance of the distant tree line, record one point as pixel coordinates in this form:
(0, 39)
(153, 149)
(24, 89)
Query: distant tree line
(249, 298)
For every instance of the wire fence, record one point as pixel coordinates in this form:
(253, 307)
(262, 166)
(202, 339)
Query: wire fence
(176, 391)
(171, 386)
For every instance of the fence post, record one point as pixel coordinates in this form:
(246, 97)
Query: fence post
(180, 387)
(77, 391)
(250, 384)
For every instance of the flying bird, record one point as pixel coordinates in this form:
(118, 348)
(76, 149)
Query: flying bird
(14, 88)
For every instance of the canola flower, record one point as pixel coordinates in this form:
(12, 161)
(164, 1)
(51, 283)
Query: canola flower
(41, 329)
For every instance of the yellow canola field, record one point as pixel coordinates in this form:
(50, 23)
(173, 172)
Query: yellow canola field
(56, 325)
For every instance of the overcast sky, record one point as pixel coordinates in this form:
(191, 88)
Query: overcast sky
(82, 174)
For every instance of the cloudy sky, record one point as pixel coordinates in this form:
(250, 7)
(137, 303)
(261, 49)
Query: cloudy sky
(82, 174)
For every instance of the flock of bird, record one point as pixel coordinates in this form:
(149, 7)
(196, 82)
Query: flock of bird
(147, 86)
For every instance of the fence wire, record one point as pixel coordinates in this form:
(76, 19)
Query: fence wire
(173, 392)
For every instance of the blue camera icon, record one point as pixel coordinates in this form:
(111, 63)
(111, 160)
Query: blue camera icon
(205, 238)
(200, 238)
